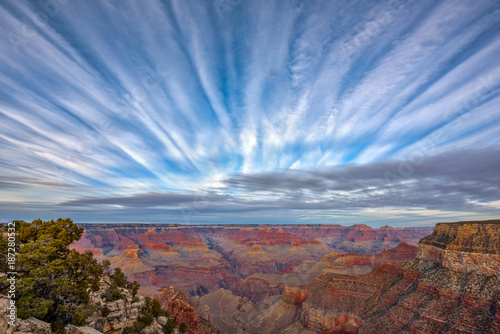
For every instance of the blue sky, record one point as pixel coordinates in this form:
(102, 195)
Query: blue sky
(232, 111)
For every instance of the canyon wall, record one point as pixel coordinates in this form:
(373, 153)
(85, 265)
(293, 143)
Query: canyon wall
(270, 303)
(437, 292)
(464, 247)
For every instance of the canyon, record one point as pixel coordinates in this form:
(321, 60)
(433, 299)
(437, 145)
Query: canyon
(228, 274)
(313, 278)
(452, 286)
(203, 259)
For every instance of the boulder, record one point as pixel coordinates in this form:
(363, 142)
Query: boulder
(162, 320)
(72, 329)
(33, 325)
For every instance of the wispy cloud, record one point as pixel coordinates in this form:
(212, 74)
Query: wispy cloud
(254, 105)
(460, 183)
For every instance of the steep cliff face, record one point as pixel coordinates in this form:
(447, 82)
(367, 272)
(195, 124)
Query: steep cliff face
(435, 293)
(464, 247)
(177, 304)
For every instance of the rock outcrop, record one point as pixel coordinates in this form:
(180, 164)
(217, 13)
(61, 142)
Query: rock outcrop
(32, 325)
(177, 304)
(464, 246)
(71, 329)
(119, 313)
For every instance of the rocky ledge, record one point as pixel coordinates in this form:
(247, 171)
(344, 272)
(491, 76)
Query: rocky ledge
(464, 246)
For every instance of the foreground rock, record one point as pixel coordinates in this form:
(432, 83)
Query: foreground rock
(36, 326)
(71, 329)
(120, 313)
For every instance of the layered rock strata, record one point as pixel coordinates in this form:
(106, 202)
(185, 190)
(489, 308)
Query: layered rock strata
(464, 247)
(259, 287)
(203, 259)
(437, 292)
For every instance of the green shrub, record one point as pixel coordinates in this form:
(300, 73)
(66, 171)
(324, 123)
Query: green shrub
(157, 310)
(183, 327)
(136, 328)
(105, 311)
(119, 278)
(170, 326)
(147, 319)
(53, 281)
(134, 286)
(112, 293)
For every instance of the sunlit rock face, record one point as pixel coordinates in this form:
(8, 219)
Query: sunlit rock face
(190, 312)
(438, 292)
(464, 247)
(203, 259)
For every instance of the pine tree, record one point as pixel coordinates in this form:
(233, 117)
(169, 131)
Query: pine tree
(53, 281)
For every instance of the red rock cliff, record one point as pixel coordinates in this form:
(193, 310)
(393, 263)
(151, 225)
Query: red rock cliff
(464, 246)
(177, 304)
(452, 287)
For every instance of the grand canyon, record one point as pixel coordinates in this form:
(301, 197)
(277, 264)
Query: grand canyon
(249, 167)
(313, 278)
(202, 259)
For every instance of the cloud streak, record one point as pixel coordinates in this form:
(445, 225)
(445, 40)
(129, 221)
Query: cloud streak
(461, 182)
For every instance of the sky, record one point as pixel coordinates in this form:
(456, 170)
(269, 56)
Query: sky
(239, 111)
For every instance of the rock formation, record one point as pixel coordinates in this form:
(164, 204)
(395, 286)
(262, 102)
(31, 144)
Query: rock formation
(121, 312)
(464, 247)
(435, 293)
(177, 304)
(259, 287)
(203, 259)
